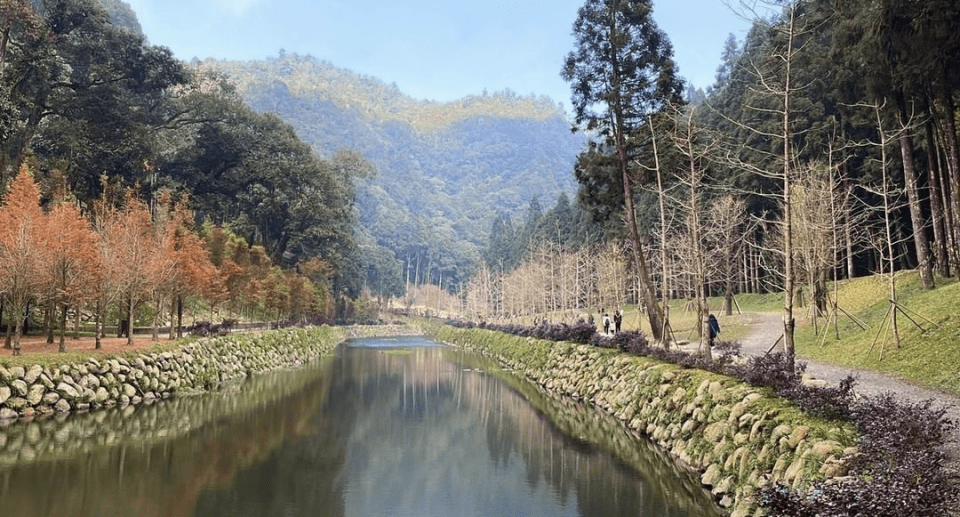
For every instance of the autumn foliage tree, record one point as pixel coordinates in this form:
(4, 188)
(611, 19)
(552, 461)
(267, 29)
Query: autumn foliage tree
(129, 246)
(128, 256)
(193, 271)
(23, 254)
(73, 260)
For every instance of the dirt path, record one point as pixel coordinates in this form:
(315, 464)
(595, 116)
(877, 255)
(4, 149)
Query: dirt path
(767, 327)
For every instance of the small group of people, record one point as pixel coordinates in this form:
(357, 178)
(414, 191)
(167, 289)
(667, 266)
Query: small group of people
(617, 322)
(613, 325)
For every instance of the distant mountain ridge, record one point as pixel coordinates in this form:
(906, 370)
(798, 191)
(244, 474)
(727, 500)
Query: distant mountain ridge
(314, 79)
(445, 170)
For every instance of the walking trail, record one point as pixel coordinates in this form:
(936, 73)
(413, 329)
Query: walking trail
(766, 328)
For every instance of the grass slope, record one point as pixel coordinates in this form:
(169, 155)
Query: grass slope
(929, 356)
(929, 351)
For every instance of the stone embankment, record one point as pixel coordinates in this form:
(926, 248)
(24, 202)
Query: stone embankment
(28, 391)
(738, 438)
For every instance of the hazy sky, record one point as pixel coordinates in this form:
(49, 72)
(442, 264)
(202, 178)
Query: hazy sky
(432, 49)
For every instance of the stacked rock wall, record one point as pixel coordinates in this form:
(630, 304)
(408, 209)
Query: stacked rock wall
(738, 437)
(26, 391)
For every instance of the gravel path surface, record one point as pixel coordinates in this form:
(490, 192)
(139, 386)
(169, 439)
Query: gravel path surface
(767, 327)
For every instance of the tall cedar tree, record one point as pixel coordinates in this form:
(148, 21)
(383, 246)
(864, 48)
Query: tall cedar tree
(22, 250)
(621, 72)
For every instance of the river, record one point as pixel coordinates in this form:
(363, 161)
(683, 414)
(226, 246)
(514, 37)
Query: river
(385, 427)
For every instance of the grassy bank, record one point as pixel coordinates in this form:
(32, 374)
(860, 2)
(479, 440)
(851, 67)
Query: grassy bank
(929, 351)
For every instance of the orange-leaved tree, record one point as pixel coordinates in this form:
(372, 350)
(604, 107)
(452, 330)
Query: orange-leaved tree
(321, 274)
(303, 300)
(22, 252)
(276, 292)
(193, 272)
(129, 246)
(162, 261)
(73, 263)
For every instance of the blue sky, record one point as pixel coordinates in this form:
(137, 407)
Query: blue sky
(435, 50)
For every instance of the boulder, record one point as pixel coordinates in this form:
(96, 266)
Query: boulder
(128, 390)
(32, 374)
(16, 403)
(35, 395)
(19, 387)
(67, 391)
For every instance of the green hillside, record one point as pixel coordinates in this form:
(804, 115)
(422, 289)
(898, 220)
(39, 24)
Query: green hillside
(445, 171)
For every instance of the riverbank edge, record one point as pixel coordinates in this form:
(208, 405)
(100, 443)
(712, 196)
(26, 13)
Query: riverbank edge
(739, 438)
(197, 366)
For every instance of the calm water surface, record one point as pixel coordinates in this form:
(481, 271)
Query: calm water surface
(387, 427)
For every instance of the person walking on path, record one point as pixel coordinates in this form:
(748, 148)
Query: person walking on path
(617, 321)
(606, 324)
(713, 328)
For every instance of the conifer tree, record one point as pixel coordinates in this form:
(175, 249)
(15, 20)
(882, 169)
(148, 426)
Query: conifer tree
(621, 72)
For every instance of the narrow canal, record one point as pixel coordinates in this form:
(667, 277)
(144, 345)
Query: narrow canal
(387, 427)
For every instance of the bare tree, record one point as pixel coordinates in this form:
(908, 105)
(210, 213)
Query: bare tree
(728, 226)
(694, 146)
(774, 93)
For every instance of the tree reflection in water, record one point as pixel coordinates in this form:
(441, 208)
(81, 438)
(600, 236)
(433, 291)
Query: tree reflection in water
(389, 427)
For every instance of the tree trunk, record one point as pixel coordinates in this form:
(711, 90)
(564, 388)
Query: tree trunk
(788, 280)
(848, 227)
(98, 331)
(130, 309)
(941, 261)
(664, 282)
(18, 331)
(730, 256)
(654, 314)
(922, 245)
(950, 235)
(63, 326)
(49, 319)
(155, 330)
(949, 134)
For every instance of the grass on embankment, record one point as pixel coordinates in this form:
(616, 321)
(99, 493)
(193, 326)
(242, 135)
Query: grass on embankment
(930, 357)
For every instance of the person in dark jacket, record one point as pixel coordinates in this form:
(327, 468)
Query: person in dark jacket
(714, 328)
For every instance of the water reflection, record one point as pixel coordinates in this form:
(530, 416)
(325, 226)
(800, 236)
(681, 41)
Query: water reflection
(389, 427)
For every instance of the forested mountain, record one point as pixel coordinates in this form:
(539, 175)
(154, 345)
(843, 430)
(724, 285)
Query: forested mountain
(444, 171)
